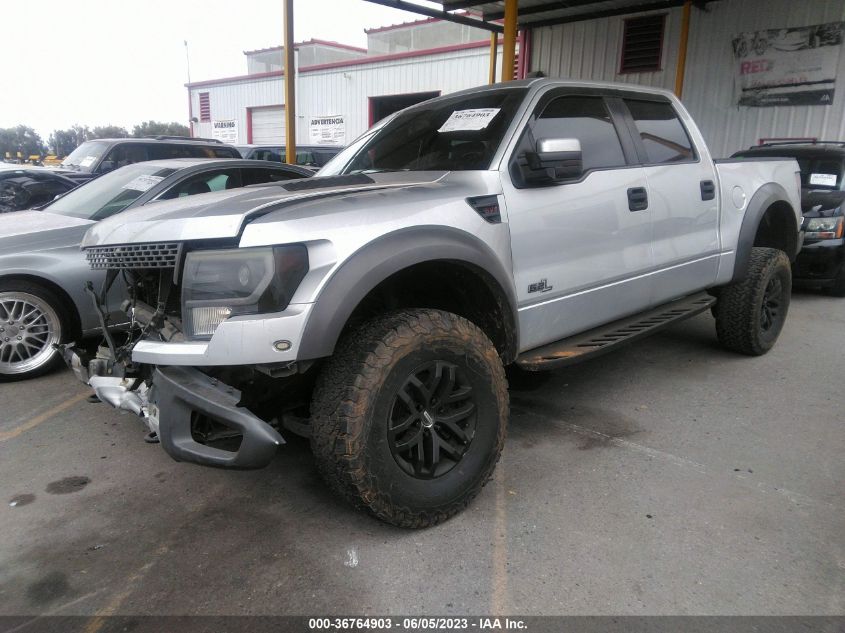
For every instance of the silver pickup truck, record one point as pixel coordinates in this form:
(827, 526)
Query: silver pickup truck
(374, 307)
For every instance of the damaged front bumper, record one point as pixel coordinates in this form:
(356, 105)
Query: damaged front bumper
(172, 401)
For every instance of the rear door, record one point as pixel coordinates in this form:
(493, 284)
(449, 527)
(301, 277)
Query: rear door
(683, 201)
(581, 249)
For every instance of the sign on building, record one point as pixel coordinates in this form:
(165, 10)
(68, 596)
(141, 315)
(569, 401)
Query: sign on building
(787, 66)
(225, 131)
(327, 130)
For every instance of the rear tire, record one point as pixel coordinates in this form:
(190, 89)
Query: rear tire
(32, 319)
(750, 313)
(409, 416)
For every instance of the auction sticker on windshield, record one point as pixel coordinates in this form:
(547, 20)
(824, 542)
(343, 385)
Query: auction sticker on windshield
(87, 161)
(825, 180)
(142, 183)
(476, 119)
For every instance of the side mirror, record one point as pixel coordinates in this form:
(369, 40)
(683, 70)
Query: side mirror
(555, 160)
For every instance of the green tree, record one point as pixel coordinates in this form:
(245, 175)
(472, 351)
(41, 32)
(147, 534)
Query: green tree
(63, 142)
(20, 139)
(156, 128)
(109, 131)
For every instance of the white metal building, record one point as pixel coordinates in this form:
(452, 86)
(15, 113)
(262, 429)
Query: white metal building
(592, 49)
(407, 63)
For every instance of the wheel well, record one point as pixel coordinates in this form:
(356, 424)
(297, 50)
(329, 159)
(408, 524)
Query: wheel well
(452, 286)
(67, 303)
(777, 229)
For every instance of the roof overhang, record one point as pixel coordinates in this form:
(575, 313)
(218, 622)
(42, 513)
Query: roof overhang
(532, 13)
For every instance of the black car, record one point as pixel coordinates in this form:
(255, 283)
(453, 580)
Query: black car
(821, 262)
(311, 156)
(94, 158)
(24, 187)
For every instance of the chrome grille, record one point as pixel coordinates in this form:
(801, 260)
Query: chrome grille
(161, 255)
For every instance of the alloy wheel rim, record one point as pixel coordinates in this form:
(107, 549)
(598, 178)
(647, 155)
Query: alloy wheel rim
(432, 420)
(29, 327)
(770, 310)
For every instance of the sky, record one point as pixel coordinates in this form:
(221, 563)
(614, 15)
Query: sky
(120, 62)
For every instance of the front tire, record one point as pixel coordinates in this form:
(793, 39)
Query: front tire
(409, 416)
(32, 319)
(750, 313)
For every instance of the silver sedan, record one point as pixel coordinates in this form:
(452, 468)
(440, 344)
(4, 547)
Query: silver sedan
(43, 272)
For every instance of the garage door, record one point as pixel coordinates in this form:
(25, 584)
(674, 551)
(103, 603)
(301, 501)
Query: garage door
(268, 125)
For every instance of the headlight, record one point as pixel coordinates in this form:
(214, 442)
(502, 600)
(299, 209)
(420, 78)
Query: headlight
(824, 228)
(220, 284)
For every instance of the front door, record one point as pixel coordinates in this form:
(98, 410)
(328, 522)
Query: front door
(581, 249)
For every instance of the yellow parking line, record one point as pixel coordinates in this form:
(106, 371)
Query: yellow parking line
(43, 417)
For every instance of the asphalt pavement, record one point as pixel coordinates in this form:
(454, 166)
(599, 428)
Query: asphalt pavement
(671, 477)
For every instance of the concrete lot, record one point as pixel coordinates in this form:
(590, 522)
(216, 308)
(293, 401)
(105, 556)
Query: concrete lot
(671, 477)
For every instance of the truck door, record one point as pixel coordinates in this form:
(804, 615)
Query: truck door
(581, 247)
(683, 200)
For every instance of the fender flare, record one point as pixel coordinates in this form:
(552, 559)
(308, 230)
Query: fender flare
(765, 197)
(389, 254)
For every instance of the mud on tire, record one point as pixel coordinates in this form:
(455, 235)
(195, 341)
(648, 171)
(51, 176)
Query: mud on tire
(409, 416)
(750, 313)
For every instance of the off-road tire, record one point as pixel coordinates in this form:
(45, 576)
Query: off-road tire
(740, 312)
(55, 309)
(356, 393)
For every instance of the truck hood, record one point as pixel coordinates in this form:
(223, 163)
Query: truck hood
(815, 203)
(223, 214)
(37, 230)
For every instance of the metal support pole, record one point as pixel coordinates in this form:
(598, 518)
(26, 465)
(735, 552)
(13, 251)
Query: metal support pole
(290, 87)
(494, 56)
(509, 44)
(682, 50)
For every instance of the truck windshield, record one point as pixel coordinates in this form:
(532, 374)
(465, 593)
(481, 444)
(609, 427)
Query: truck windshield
(109, 194)
(84, 157)
(450, 133)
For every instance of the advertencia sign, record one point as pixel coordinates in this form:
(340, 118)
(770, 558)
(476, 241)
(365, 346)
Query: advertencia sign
(327, 130)
(787, 66)
(225, 131)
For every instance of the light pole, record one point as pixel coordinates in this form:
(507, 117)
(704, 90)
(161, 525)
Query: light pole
(190, 97)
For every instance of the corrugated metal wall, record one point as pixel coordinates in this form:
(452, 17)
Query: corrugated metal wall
(345, 90)
(229, 101)
(592, 49)
(709, 84)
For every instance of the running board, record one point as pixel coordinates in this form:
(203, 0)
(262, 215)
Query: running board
(608, 337)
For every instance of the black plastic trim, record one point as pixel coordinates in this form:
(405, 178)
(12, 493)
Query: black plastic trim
(378, 260)
(766, 196)
(178, 392)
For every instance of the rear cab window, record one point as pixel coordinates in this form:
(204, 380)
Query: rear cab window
(661, 132)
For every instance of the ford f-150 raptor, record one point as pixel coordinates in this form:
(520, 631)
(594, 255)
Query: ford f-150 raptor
(374, 307)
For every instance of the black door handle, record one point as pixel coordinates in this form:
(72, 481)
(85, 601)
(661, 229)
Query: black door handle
(637, 199)
(708, 190)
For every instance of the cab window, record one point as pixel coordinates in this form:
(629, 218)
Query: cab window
(588, 120)
(123, 155)
(257, 176)
(217, 180)
(661, 131)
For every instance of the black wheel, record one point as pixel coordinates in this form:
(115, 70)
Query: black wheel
(750, 313)
(838, 287)
(32, 319)
(409, 416)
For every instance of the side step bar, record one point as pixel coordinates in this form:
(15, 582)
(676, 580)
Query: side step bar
(607, 337)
